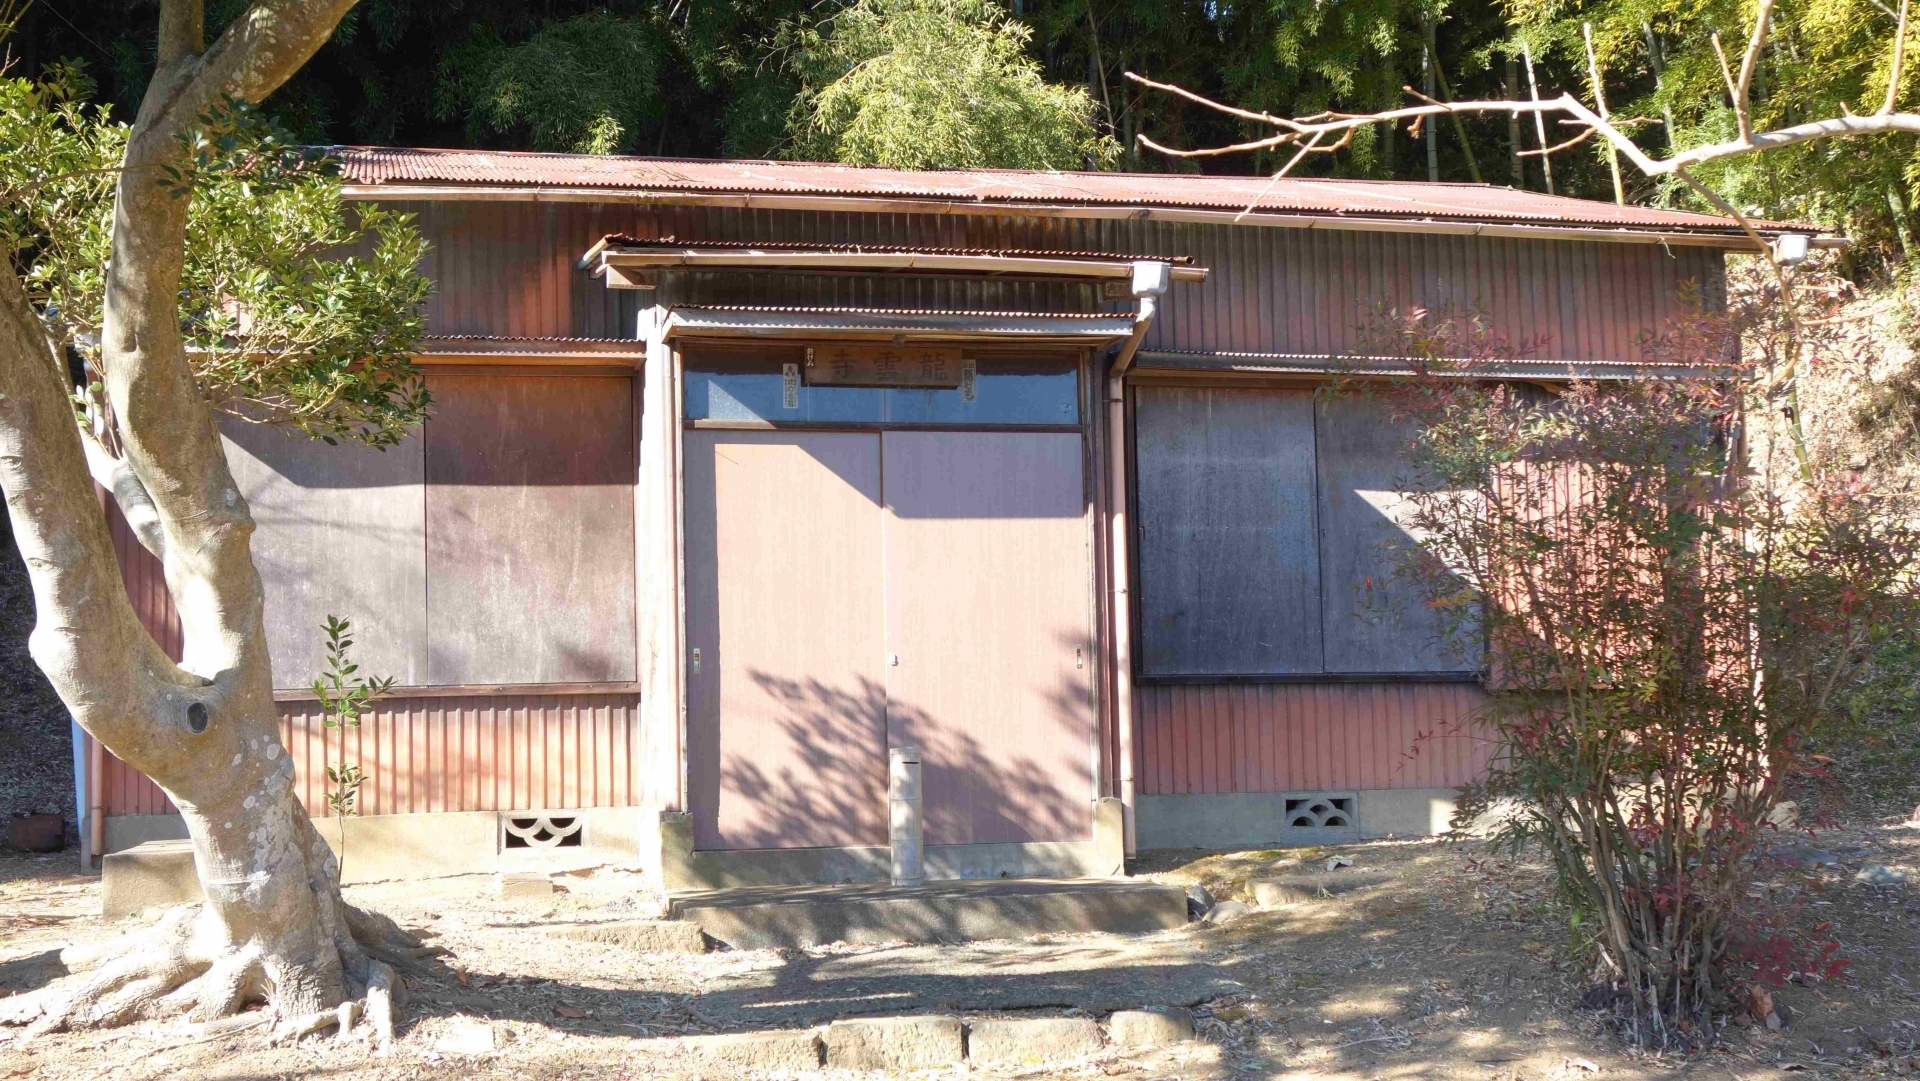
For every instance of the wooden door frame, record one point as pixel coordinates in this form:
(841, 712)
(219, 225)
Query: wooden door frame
(664, 426)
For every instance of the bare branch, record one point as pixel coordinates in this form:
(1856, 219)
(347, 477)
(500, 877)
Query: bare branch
(1197, 99)
(1215, 151)
(1741, 102)
(1726, 76)
(1899, 58)
(1600, 102)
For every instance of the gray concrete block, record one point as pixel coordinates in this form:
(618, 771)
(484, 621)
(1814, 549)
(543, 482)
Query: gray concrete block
(125, 831)
(781, 916)
(792, 1051)
(146, 875)
(1156, 1026)
(894, 1043)
(1031, 1040)
(641, 936)
(522, 885)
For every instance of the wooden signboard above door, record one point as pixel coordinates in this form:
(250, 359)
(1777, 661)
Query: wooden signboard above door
(833, 364)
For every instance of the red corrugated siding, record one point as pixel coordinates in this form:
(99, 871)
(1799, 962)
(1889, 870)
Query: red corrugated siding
(509, 269)
(493, 753)
(1289, 737)
(128, 791)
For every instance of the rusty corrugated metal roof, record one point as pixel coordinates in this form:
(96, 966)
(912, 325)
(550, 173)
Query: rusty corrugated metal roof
(1359, 199)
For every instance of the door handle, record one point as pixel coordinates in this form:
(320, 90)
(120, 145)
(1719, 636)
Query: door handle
(1079, 657)
(696, 660)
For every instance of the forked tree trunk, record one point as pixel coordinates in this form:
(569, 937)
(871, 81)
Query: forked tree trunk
(273, 927)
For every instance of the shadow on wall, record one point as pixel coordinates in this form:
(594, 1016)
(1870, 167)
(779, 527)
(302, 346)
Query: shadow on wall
(838, 778)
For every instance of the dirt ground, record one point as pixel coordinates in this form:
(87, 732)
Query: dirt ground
(1433, 961)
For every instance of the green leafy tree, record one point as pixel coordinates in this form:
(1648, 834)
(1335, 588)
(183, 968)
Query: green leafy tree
(204, 728)
(284, 327)
(921, 84)
(1823, 58)
(589, 84)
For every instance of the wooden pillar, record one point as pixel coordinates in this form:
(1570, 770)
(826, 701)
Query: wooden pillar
(659, 576)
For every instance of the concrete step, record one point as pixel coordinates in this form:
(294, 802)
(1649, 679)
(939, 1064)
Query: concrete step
(764, 917)
(156, 873)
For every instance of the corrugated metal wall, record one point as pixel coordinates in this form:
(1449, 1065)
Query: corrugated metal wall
(499, 753)
(481, 753)
(1289, 737)
(508, 269)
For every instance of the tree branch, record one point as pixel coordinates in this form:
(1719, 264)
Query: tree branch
(1899, 58)
(1742, 96)
(86, 637)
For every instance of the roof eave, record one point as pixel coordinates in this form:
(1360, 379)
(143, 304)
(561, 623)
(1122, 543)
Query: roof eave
(1729, 237)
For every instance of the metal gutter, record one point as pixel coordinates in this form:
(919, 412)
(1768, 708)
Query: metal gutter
(403, 191)
(1150, 280)
(694, 322)
(842, 260)
(1181, 362)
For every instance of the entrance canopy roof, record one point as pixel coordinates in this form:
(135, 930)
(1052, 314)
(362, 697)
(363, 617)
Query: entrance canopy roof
(883, 324)
(616, 256)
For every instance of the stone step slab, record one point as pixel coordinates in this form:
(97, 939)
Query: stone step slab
(640, 936)
(895, 1043)
(1029, 1041)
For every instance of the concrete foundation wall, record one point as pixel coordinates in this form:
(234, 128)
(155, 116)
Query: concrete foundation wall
(1255, 819)
(381, 847)
(684, 868)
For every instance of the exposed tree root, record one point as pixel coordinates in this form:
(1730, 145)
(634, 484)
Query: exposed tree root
(185, 967)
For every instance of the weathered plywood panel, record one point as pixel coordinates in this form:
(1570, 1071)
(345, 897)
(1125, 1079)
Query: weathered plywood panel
(988, 584)
(1371, 618)
(1229, 579)
(529, 530)
(1291, 737)
(340, 531)
(786, 717)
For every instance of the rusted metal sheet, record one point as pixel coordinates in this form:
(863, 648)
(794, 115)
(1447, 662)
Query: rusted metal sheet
(989, 645)
(1229, 574)
(1393, 200)
(786, 710)
(341, 531)
(509, 269)
(529, 529)
(1286, 737)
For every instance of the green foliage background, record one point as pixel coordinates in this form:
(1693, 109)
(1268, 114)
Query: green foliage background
(1039, 83)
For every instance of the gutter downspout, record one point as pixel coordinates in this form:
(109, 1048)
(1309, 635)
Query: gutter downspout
(1150, 280)
(96, 802)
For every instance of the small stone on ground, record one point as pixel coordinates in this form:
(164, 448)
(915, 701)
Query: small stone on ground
(1225, 911)
(1876, 874)
(522, 884)
(641, 936)
(1155, 1027)
(466, 1036)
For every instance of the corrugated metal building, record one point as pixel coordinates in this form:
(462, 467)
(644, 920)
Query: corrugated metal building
(742, 473)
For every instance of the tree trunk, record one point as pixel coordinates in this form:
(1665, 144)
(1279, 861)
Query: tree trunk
(273, 927)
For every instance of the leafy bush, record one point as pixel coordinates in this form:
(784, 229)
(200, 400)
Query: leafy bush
(1667, 622)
